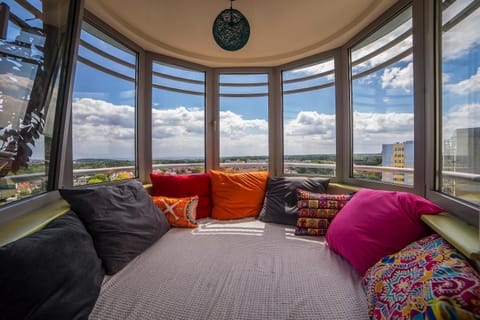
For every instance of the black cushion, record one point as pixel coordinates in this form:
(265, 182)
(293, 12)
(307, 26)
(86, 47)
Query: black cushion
(54, 273)
(280, 204)
(122, 219)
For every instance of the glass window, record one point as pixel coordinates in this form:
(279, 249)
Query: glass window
(30, 62)
(460, 101)
(309, 119)
(243, 122)
(178, 119)
(103, 109)
(382, 102)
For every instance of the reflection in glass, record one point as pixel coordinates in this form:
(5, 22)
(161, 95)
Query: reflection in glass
(460, 109)
(31, 57)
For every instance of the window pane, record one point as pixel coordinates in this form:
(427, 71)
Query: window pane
(309, 120)
(30, 64)
(243, 122)
(460, 128)
(178, 119)
(103, 110)
(382, 102)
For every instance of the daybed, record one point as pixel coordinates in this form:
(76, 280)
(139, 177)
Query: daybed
(229, 264)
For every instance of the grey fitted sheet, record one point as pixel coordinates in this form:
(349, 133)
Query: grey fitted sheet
(238, 269)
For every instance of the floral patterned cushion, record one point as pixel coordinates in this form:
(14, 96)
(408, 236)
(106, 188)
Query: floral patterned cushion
(428, 279)
(180, 212)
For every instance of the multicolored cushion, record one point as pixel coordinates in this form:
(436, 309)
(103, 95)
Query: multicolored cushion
(307, 199)
(237, 195)
(180, 212)
(310, 231)
(375, 223)
(185, 186)
(316, 211)
(428, 279)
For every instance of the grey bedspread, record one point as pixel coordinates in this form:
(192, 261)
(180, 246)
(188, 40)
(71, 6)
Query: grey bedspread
(243, 269)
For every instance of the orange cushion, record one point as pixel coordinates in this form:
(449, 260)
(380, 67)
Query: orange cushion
(237, 195)
(180, 212)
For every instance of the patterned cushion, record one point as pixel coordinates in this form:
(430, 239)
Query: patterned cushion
(180, 212)
(316, 211)
(428, 279)
(182, 186)
(313, 200)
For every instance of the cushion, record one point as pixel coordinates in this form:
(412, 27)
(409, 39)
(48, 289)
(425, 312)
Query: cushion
(54, 273)
(280, 205)
(122, 219)
(317, 210)
(237, 195)
(180, 212)
(428, 279)
(375, 223)
(185, 186)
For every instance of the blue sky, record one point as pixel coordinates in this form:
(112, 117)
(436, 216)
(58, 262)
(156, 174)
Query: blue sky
(103, 111)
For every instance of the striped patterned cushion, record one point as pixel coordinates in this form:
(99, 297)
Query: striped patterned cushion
(317, 210)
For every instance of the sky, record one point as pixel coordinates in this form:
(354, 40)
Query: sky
(103, 105)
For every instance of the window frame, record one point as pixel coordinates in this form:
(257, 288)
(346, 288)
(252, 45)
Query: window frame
(418, 99)
(151, 58)
(334, 54)
(140, 139)
(272, 164)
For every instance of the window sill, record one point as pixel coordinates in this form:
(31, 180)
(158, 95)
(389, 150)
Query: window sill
(460, 234)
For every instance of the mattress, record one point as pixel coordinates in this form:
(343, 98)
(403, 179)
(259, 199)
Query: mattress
(242, 269)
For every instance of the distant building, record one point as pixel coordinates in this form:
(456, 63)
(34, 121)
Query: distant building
(398, 155)
(461, 155)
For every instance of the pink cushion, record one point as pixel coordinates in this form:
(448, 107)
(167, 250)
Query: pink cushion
(375, 223)
(185, 186)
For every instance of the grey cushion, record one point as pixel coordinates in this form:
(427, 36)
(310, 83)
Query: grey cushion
(54, 273)
(280, 205)
(122, 219)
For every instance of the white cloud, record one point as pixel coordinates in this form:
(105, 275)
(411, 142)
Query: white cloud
(466, 86)
(309, 133)
(371, 130)
(464, 116)
(318, 68)
(398, 77)
(102, 129)
(462, 37)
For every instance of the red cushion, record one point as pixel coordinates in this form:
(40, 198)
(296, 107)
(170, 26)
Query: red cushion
(375, 223)
(185, 186)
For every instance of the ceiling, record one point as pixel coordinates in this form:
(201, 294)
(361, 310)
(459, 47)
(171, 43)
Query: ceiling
(280, 30)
